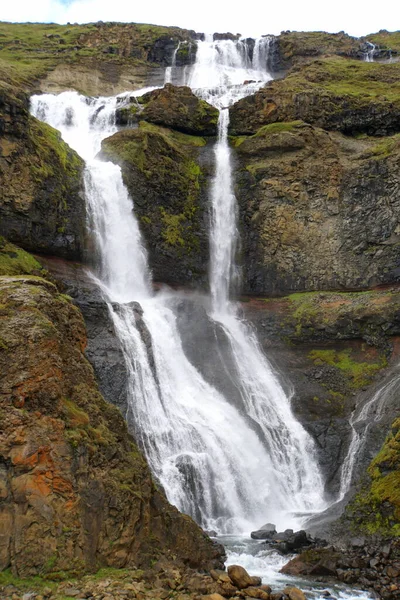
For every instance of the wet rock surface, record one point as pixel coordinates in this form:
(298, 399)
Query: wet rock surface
(367, 564)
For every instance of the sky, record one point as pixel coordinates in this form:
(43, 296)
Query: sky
(356, 17)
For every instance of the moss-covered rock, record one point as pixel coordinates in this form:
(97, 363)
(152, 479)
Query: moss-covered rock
(165, 174)
(178, 108)
(14, 261)
(333, 93)
(75, 491)
(42, 207)
(317, 210)
(376, 507)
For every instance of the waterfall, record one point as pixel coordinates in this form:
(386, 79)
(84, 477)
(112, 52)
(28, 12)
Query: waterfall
(230, 467)
(289, 446)
(361, 420)
(169, 71)
(370, 52)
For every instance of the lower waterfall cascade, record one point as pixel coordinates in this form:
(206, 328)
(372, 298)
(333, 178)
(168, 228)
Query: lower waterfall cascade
(205, 452)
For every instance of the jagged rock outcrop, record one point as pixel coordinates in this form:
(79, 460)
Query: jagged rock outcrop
(42, 207)
(333, 93)
(165, 172)
(75, 493)
(317, 210)
(179, 108)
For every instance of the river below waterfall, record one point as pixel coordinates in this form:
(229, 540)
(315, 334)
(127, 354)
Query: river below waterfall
(265, 563)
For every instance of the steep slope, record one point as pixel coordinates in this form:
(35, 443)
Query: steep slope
(75, 493)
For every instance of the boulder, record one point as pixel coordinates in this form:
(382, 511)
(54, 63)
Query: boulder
(255, 592)
(294, 593)
(239, 576)
(179, 108)
(321, 561)
(265, 532)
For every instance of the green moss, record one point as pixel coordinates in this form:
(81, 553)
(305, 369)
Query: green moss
(14, 261)
(376, 509)
(359, 373)
(37, 583)
(52, 151)
(174, 137)
(166, 159)
(278, 128)
(386, 147)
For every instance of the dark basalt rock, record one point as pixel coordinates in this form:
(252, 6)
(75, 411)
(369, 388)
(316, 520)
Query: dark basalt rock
(178, 108)
(305, 196)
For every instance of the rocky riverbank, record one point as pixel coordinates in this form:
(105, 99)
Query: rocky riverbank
(367, 563)
(163, 581)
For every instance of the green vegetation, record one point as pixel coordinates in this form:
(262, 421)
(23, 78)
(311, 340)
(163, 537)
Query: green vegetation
(359, 373)
(386, 39)
(53, 153)
(376, 509)
(278, 128)
(29, 50)
(14, 261)
(342, 76)
(316, 43)
(385, 147)
(27, 584)
(166, 159)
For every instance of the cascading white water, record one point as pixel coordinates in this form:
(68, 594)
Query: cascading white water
(370, 52)
(360, 422)
(290, 448)
(169, 71)
(204, 451)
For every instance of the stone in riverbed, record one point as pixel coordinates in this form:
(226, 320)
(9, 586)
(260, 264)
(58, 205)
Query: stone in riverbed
(294, 593)
(265, 532)
(255, 592)
(239, 576)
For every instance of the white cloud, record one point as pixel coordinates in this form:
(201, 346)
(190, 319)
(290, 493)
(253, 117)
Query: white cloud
(355, 17)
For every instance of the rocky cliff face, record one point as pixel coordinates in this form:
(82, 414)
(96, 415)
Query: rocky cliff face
(42, 205)
(317, 210)
(75, 493)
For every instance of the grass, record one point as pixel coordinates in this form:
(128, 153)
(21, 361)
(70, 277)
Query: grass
(341, 76)
(386, 39)
(29, 50)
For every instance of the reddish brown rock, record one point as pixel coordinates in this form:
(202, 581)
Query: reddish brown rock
(75, 491)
